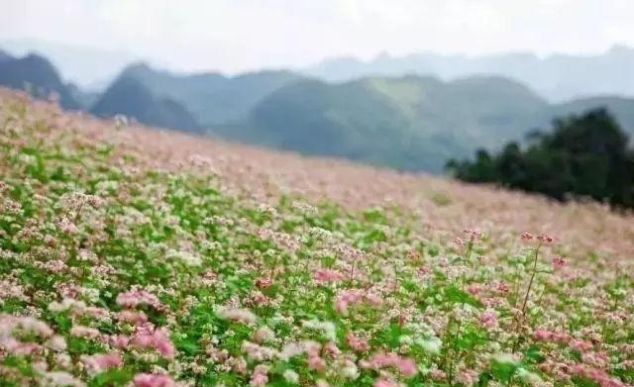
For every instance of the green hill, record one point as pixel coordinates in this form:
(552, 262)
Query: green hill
(410, 123)
(129, 97)
(211, 97)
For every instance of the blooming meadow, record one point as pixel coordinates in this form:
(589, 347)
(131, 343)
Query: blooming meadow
(131, 263)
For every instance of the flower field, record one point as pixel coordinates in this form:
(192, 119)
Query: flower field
(133, 257)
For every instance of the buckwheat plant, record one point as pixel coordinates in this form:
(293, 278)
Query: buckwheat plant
(133, 257)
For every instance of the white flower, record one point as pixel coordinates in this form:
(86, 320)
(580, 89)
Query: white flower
(506, 358)
(529, 377)
(185, 257)
(291, 376)
(240, 315)
(327, 328)
(60, 378)
(431, 345)
(350, 371)
(56, 343)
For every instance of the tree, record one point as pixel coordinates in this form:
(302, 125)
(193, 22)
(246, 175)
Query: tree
(583, 155)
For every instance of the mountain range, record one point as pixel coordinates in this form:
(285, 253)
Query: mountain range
(90, 68)
(556, 77)
(37, 75)
(409, 122)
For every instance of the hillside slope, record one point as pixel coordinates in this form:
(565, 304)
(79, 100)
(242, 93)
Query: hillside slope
(139, 257)
(409, 123)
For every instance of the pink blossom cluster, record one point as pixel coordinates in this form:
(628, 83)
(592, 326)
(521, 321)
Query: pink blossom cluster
(327, 275)
(136, 297)
(405, 365)
(102, 362)
(153, 380)
(355, 297)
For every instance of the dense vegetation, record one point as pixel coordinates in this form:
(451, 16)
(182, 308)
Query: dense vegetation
(585, 155)
(116, 271)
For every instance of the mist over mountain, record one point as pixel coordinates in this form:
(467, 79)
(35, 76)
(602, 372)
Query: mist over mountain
(411, 123)
(556, 77)
(37, 75)
(408, 122)
(4, 56)
(89, 68)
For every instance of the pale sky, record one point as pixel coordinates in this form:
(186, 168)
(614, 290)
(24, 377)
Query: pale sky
(238, 35)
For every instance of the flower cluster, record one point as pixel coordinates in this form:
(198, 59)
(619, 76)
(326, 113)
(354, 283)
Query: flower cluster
(128, 264)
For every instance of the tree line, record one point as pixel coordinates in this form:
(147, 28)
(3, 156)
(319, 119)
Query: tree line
(584, 155)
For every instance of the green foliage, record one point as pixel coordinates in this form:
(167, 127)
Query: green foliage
(585, 155)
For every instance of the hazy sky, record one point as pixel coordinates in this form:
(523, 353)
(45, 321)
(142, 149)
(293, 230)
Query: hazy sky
(236, 35)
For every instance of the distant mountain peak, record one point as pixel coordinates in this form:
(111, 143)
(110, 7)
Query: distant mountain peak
(5, 56)
(556, 77)
(130, 97)
(36, 74)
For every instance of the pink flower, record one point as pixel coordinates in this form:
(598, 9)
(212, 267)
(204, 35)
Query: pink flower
(260, 377)
(489, 319)
(316, 363)
(119, 341)
(551, 336)
(474, 289)
(580, 345)
(385, 383)
(331, 349)
(547, 239)
(153, 380)
(356, 343)
(263, 283)
(157, 339)
(132, 317)
(86, 332)
(134, 298)
(502, 288)
(327, 275)
(259, 380)
(405, 365)
(346, 299)
(542, 335)
(353, 297)
(527, 237)
(102, 362)
(558, 263)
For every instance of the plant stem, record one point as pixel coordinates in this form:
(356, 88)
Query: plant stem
(530, 283)
(525, 303)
